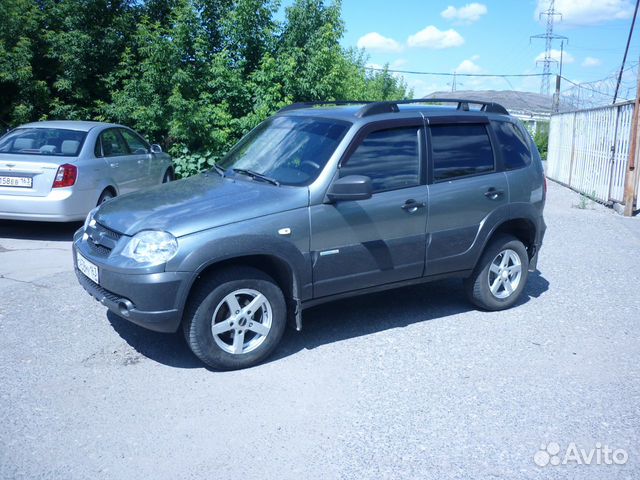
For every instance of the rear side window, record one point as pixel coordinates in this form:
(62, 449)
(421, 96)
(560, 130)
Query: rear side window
(389, 157)
(513, 144)
(460, 150)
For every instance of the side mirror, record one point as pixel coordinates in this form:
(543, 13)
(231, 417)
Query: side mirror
(351, 187)
(155, 148)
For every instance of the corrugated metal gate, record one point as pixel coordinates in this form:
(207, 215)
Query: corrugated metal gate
(589, 150)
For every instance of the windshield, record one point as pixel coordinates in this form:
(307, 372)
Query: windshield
(289, 150)
(43, 141)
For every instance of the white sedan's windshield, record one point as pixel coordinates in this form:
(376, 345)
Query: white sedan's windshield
(289, 150)
(43, 141)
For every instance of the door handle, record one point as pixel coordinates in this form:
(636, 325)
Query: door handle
(412, 206)
(493, 193)
(114, 164)
(140, 162)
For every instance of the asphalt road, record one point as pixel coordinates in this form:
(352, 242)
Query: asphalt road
(406, 384)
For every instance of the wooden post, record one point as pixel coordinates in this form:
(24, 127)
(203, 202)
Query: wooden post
(630, 175)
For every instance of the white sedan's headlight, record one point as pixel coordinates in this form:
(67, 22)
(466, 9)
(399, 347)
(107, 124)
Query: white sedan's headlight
(89, 218)
(151, 246)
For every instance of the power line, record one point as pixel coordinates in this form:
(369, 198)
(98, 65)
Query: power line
(626, 50)
(447, 74)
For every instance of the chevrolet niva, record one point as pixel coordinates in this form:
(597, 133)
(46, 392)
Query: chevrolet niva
(323, 200)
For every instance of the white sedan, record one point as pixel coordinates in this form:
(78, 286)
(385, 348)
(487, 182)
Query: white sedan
(59, 170)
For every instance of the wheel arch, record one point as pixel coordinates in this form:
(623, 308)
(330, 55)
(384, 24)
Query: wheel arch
(169, 168)
(524, 229)
(279, 269)
(106, 185)
(110, 188)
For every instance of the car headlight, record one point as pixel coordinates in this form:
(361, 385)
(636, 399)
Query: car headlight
(89, 218)
(151, 246)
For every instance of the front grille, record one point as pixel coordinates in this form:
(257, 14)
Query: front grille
(98, 249)
(110, 233)
(101, 240)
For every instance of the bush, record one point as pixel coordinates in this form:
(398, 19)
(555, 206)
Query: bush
(187, 163)
(542, 142)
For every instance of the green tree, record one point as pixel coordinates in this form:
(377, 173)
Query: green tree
(24, 93)
(194, 75)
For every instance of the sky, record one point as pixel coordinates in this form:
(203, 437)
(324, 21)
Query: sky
(491, 36)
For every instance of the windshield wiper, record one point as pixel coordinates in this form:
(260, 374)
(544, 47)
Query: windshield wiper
(218, 169)
(257, 175)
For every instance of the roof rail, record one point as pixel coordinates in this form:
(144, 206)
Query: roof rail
(375, 108)
(299, 105)
(463, 104)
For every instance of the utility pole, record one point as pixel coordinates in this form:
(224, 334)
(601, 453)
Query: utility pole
(626, 51)
(631, 173)
(556, 96)
(454, 83)
(548, 37)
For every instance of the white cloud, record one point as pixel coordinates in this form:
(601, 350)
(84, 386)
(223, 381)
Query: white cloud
(373, 41)
(555, 55)
(468, 66)
(432, 37)
(468, 14)
(400, 62)
(591, 62)
(588, 12)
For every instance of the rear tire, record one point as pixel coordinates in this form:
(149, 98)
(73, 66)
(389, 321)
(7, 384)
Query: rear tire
(104, 196)
(235, 319)
(500, 275)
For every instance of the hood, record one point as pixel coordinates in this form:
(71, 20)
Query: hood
(197, 203)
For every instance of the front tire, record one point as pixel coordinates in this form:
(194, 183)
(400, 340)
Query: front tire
(500, 276)
(235, 319)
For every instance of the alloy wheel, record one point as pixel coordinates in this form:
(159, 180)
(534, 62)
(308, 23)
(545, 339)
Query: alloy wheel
(241, 321)
(505, 274)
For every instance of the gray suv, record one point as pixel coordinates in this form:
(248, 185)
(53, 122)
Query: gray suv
(319, 202)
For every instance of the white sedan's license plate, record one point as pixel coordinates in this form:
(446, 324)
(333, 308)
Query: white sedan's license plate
(88, 268)
(21, 182)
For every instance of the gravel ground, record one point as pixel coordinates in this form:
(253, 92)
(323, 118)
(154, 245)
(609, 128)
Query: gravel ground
(406, 384)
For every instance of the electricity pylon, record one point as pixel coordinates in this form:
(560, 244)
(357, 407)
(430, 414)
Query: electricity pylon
(548, 37)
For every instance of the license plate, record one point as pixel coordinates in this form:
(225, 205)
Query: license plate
(88, 268)
(20, 182)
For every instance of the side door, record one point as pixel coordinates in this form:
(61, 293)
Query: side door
(363, 243)
(139, 159)
(468, 192)
(113, 148)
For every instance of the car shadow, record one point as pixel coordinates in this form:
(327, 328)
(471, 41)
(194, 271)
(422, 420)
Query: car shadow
(48, 231)
(367, 314)
(333, 322)
(166, 348)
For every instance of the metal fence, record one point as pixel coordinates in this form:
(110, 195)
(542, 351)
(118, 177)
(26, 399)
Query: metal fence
(589, 150)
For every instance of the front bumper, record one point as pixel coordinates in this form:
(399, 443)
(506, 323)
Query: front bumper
(153, 300)
(60, 205)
